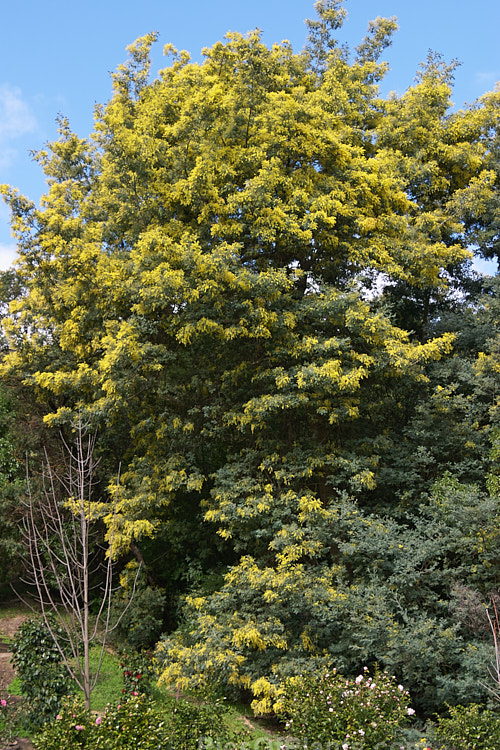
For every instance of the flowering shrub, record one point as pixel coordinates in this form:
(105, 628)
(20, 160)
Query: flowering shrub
(70, 729)
(138, 672)
(5, 721)
(139, 618)
(328, 708)
(470, 727)
(130, 725)
(12, 721)
(135, 724)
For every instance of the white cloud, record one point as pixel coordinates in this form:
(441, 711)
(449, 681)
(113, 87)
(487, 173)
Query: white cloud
(16, 120)
(8, 254)
(16, 117)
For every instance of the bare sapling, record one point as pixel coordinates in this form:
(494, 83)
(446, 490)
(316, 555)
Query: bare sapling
(66, 566)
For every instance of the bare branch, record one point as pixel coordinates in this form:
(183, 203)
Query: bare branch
(57, 531)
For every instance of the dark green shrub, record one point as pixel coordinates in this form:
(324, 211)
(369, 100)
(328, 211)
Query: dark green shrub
(140, 625)
(12, 487)
(8, 721)
(38, 662)
(133, 724)
(136, 723)
(470, 728)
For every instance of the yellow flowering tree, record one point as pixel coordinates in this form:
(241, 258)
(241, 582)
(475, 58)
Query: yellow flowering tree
(234, 277)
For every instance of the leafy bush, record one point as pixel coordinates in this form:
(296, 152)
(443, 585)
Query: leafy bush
(194, 726)
(138, 618)
(70, 729)
(138, 672)
(130, 725)
(7, 721)
(135, 724)
(44, 679)
(326, 707)
(11, 488)
(470, 728)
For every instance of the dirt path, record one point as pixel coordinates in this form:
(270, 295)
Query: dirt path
(6, 671)
(8, 628)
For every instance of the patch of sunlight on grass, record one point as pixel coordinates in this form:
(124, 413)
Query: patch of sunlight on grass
(109, 684)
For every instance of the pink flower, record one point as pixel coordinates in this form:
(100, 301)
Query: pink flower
(98, 720)
(79, 727)
(3, 703)
(58, 716)
(410, 711)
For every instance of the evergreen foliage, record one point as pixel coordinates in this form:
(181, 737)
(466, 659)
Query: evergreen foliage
(43, 676)
(11, 490)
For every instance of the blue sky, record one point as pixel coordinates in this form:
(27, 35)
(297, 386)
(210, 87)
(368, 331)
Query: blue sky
(56, 57)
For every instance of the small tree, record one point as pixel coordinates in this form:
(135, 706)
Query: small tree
(64, 559)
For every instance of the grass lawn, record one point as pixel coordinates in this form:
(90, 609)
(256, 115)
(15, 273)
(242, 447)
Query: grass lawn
(110, 683)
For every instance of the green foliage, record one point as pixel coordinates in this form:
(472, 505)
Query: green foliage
(376, 597)
(11, 720)
(326, 707)
(138, 672)
(10, 491)
(136, 723)
(130, 725)
(44, 679)
(194, 725)
(140, 618)
(470, 728)
(72, 727)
